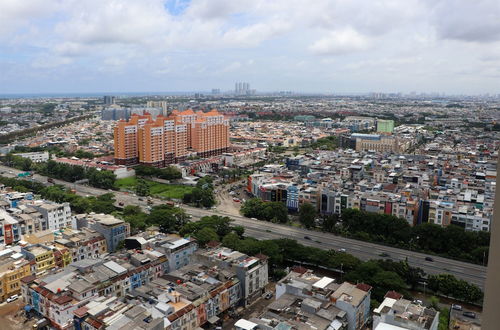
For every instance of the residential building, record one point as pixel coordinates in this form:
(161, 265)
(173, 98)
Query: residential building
(36, 157)
(403, 314)
(114, 230)
(57, 216)
(42, 255)
(252, 272)
(166, 140)
(354, 299)
(13, 267)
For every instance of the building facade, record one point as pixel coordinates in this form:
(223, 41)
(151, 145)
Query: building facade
(167, 140)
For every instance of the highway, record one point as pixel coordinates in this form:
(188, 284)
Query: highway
(265, 230)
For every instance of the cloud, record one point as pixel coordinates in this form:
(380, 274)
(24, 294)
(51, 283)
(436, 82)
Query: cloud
(281, 44)
(471, 21)
(340, 42)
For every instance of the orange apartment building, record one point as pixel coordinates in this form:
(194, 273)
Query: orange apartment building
(167, 140)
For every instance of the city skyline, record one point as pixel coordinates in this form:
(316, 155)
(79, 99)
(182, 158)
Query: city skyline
(341, 47)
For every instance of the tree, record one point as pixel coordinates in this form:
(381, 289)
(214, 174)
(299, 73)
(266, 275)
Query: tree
(329, 223)
(434, 302)
(231, 241)
(307, 214)
(131, 210)
(239, 230)
(142, 188)
(205, 235)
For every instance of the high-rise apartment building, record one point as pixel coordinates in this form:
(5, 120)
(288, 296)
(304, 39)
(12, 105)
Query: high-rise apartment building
(167, 140)
(108, 99)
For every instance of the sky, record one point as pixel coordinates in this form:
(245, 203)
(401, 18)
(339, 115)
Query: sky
(323, 46)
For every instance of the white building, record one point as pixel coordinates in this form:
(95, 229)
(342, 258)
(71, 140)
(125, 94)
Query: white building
(36, 157)
(56, 215)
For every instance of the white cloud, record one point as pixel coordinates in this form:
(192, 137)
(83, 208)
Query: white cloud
(296, 43)
(340, 42)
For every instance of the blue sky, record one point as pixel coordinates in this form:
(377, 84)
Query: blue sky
(450, 46)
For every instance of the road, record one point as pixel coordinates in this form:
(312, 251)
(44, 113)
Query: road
(472, 273)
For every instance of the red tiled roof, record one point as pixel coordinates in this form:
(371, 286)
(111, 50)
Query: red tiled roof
(299, 269)
(80, 312)
(213, 244)
(393, 295)
(63, 300)
(364, 287)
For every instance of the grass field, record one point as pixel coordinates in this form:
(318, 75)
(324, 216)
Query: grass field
(174, 191)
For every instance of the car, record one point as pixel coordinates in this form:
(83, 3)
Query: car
(268, 295)
(472, 315)
(385, 255)
(307, 237)
(428, 259)
(12, 298)
(253, 218)
(236, 200)
(456, 307)
(141, 199)
(121, 203)
(342, 250)
(418, 302)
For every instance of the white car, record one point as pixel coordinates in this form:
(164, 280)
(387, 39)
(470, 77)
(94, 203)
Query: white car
(12, 298)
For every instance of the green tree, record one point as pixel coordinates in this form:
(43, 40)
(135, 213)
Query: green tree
(142, 188)
(329, 223)
(307, 214)
(131, 210)
(205, 235)
(231, 241)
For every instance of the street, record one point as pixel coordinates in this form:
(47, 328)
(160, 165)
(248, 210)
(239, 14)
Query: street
(472, 273)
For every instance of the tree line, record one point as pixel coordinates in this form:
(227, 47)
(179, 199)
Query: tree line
(382, 275)
(268, 211)
(167, 173)
(202, 194)
(79, 204)
(451, 241)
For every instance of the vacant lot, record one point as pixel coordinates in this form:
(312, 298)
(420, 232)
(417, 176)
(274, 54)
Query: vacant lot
(174, 191)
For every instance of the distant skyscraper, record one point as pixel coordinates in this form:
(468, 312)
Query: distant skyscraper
(108, 100)
(242, 88)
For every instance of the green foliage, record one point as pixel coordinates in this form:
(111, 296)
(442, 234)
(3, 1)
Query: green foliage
(444, 319)
(205, 235)
(451, 241)
(48, 108)
(120, 245)
(381, 280)
(307, 214)
(434, 302)
(269, 211)
(142, 188)
(167, 173)
(170, 191)
(221, 225)
(169, 218)
(329, 223)
(326, 143)
(72, 173)
(450, 286)
(202, 194)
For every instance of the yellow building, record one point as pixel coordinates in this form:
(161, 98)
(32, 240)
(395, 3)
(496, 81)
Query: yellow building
(42, 255)
(13, 267)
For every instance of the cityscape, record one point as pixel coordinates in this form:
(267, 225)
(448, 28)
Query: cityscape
(148, 187)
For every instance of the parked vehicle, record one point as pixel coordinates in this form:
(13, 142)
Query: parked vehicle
(307, 237)
(456, 307)
(472, 315)
(268, 295)
(428, 259)
(12, 298)
(342, 250)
